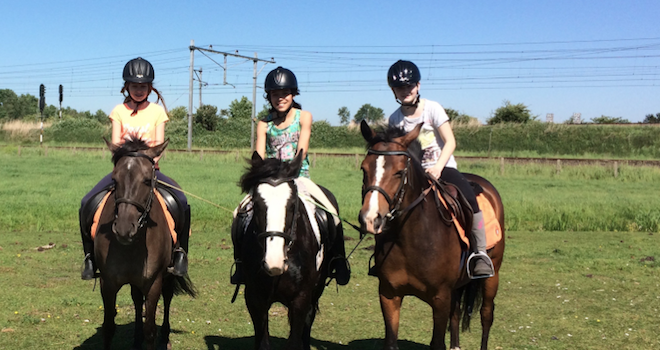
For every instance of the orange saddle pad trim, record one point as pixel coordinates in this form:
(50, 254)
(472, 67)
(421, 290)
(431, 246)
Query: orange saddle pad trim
(168, 216)
(493, 228)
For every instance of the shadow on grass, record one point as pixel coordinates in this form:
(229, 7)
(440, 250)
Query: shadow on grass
(123, 338)
(247, 343)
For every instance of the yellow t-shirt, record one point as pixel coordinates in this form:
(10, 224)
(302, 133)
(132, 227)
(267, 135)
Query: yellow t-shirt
(143, 124)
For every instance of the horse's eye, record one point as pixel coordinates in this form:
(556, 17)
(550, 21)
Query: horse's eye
(147, 182)
(399, 174)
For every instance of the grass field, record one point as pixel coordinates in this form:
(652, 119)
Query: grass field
(585, 288)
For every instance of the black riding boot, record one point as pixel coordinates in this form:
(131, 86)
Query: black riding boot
(238, 227)
(180, 255)
(340, 269)
(88, 268)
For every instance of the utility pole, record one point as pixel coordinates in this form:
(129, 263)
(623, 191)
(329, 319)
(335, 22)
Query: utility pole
(190, 94)
(254, 59)
(42, 104)
(61, 96)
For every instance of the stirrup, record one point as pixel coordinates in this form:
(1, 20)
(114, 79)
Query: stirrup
(236, 277)
(85, 274)
(182, 269)
(486, 259)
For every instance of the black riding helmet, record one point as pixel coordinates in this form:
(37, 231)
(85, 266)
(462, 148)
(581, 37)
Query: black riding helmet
(281, 78)
(138, 70)
(403, 73)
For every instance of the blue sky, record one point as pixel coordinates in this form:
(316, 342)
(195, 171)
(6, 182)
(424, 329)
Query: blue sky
(561, 57)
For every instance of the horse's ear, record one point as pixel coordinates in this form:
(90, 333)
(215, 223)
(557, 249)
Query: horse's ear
(256, 156)
(156, 151)
(367, 133)
(111, 146)
(295, 164)
(408, 138)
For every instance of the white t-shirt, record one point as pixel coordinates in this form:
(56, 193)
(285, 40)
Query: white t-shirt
(433, 115)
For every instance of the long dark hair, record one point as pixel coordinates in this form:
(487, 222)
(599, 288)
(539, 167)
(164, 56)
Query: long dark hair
(128, 98)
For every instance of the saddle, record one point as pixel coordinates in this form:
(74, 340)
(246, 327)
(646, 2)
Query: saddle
(450, 199)
(175, 214)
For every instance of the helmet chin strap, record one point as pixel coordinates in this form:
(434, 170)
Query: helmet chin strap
(413, 104)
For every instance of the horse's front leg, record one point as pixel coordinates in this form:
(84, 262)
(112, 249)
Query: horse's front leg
(150, 303)
(455, 319)
(440, 304)
(109, 295)
(168, 294)
(390, 305)
(300, 313)
(138, 301)
(258, 308)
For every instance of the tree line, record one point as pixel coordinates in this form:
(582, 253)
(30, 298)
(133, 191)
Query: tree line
(209, 117)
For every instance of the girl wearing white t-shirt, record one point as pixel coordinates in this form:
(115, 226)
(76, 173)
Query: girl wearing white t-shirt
(438, 143)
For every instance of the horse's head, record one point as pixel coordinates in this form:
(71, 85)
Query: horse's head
(388, 170)
(134, 175)
(276, 207)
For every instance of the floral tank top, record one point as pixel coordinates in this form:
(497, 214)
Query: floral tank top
(283, 143)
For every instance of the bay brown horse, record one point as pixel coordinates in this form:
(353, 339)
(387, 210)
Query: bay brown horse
(133, 245)
(418, 250)
(284, 259)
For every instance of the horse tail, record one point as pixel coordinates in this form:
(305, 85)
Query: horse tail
(472, 298)
(183, 285)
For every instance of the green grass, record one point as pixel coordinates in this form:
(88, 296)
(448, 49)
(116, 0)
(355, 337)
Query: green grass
(559, 290)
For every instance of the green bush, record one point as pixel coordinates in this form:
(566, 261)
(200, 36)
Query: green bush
(78, 130)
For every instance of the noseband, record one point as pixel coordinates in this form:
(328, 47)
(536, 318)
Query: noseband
(147, 206)
(393, 203)
(290, 235)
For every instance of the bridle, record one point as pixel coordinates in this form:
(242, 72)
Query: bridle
(393, 203)
(147, 206)
(290, 235)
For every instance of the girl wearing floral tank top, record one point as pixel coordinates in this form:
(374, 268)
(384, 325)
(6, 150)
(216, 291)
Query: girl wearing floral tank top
(285, 131)
(283, 143)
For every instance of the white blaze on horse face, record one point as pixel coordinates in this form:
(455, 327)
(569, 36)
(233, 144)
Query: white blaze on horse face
(372, 212)
(276, 199)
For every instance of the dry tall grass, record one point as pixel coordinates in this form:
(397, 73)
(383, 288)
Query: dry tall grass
(20, 128)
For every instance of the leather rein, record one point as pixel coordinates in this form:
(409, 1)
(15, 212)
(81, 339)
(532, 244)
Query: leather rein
(147, 206)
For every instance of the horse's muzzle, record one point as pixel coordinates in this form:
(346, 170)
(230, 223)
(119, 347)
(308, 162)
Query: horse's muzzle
(124, 232)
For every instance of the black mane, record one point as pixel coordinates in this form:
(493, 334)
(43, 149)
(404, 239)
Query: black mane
(130, 145)
(259, 170)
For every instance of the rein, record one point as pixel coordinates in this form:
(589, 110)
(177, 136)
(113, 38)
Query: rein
(147, 206)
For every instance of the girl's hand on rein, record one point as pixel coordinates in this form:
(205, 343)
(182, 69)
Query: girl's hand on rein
(434, 172)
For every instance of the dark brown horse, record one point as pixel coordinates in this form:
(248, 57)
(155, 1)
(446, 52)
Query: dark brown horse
(418, 251)
(284, 259)
(134, 245)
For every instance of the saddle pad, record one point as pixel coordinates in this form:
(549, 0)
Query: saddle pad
(493, 228)
(168, 216)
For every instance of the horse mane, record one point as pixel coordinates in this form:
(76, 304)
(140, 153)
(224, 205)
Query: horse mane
(132, 144)
(259, 170)
(415, 151)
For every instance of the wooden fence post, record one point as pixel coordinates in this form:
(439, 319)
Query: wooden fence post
(238, 155)
(357, 161)
(616, 169)
(558, 166)
(501, 165)
(314, 160)
(201, 155)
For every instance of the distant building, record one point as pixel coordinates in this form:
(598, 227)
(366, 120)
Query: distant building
(550, 118)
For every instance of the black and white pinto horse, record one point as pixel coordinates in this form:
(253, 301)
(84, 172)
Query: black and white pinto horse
(285, 257)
